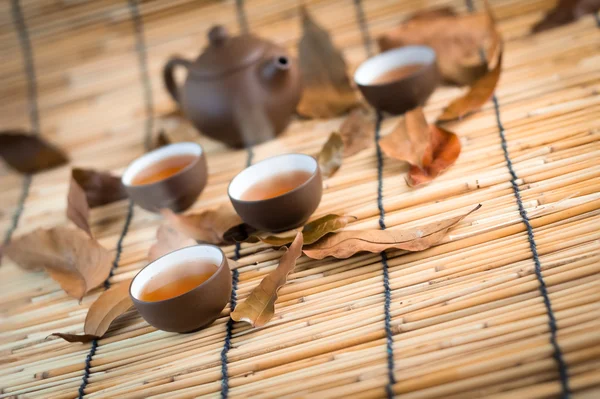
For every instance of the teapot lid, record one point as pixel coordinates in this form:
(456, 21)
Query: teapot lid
(226, 54)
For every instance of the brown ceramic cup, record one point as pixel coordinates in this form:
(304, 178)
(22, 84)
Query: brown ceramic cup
(286, 211)
(194, 309)
(176, 192)
(405, 93)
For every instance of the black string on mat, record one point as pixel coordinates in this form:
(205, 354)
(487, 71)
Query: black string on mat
(385, 267)
(364, 28)
(34, 118)
(140, 45)
(241, 16)
(557, 351)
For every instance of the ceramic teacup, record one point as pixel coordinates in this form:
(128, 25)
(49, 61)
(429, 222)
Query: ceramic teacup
(402, 94)
(283, 212)
(176, 192)
(194, 309)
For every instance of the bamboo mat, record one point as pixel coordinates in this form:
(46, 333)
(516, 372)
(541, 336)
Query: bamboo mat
(507, 306)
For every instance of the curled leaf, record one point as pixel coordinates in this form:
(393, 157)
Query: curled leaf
(110, 305)
(77, 262)
(29, 153)
(456, 39)
(566, 11)
(429, 149)
(347, 243)
(101, 188)
(330, 157)
(240, 233)
(78, 210)
(311, 233)
(168, 239)
(207, 226)
(358, 131)
(327, 90)
(259, 307)
(481, 91)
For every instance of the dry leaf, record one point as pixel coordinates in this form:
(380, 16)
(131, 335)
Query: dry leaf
(311, 233)
(566, 11)
(429, 149)
(481, 91)
(347, 243)
(456, 39)
(168, 239)
(327, 90)
(330, 157)
(77, 262)
(78, 210)
(358, 131)
(101, 188)
(161, 140)
(259, 307)
(207, 226)
(28, 153)
(110, 305)
(444, 11)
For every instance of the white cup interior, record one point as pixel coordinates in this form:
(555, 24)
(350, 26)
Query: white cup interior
(158, 155)
(206, 253)
(270, 167)
(376, 66)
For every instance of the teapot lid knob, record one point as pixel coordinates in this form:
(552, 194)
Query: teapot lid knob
(217, 35)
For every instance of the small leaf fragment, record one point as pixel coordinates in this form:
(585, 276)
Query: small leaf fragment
(330, 157)
(327, 90)
(29, 153)
(161, 139)
(168, 239)
(76, 261)
(208, 225)
(101, 188)
(565, 12)
(78, 210)
(110, 305)
(259, 307)
(358, 131)
(347, 243)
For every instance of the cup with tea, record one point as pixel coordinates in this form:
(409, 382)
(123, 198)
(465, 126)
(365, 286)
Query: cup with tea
(171, 177)
(400, 79)
(279, 193)
(184, 290)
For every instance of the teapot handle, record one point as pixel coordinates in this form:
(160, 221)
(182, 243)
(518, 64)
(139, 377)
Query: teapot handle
(169, 79)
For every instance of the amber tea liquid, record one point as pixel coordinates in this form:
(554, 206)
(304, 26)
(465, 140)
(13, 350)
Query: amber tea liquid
(176, 280)
(276, 185)
(397, 73)
(162, 169)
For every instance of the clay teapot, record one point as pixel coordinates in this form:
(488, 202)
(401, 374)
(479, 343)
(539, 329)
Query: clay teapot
(241, 90)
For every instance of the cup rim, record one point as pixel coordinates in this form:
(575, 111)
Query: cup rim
(270, 159)
(145, 160)
(221, 265)
(397, 55)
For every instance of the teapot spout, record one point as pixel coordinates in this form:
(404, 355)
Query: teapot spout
(277, 66)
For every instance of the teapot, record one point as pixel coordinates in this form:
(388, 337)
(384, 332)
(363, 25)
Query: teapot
(241, 90)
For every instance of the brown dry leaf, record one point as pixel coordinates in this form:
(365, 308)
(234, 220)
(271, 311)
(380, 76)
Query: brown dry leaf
(101, 188)
(29, 153)
(110, 305)
(429, 149)
(77, 262)
(78, 210)
(330, 157)
(481, 91)
(240, 233)
(168, 239)
(259, 307)
(446, 149)
(456, 39)
(410, 140)
(358, 131)
(207, 226)
(161, 139)
(327, 90)
(566, 11)
(311, 233)
(347, 243)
